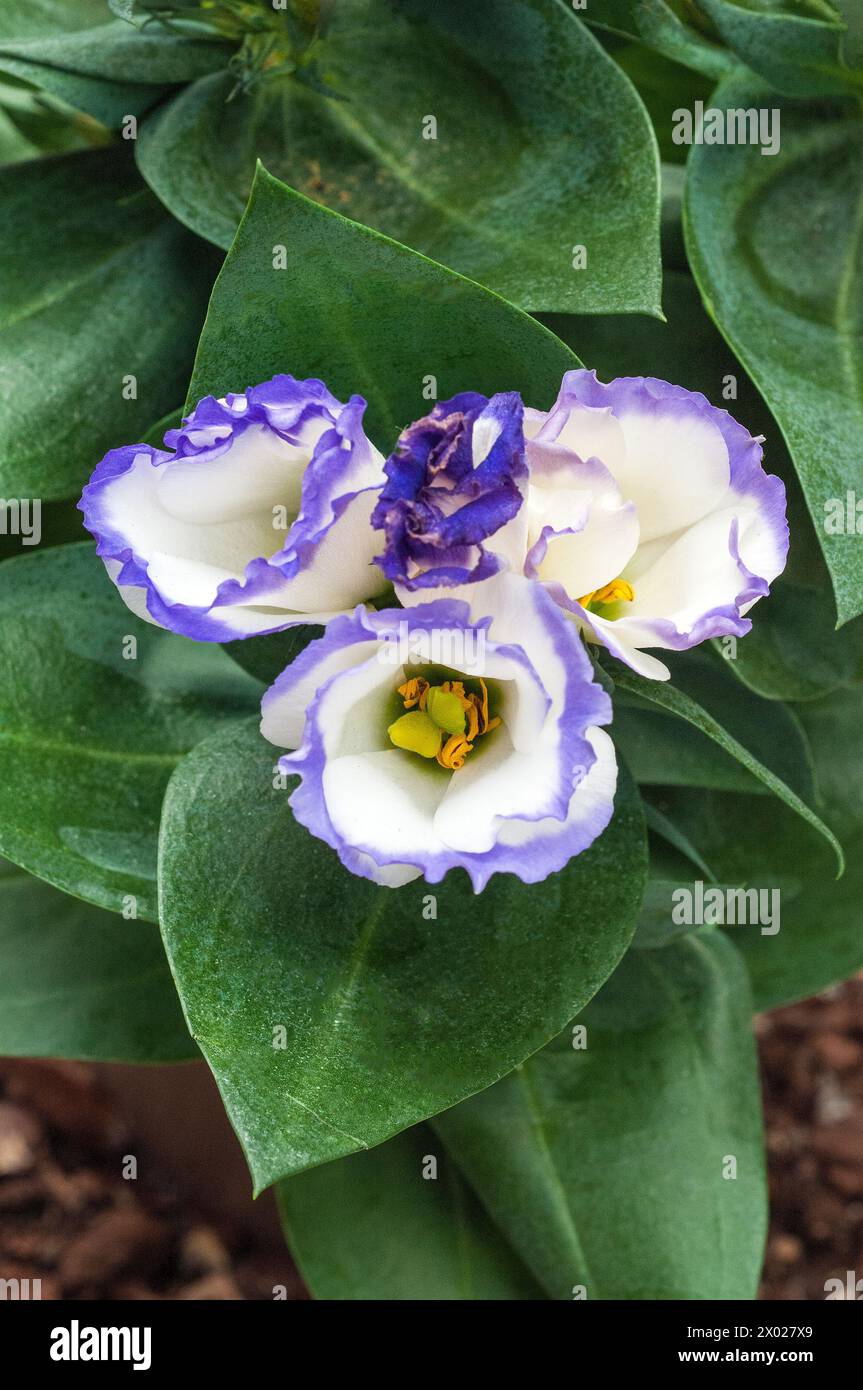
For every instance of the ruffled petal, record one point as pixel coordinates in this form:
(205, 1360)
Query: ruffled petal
(390, 814)
(712, 533)
(254, 518)
(454, 480)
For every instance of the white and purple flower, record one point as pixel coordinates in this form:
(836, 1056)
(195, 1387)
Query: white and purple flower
(646, 513)
(455, 479)
(255, 516)
(649, 515)
(435, 738)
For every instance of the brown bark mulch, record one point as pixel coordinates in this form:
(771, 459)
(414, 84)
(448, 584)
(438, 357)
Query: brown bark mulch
(69, 1217)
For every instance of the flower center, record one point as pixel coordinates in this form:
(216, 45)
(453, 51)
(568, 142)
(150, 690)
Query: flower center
(275, 40)
(442, 721)
(615, 592)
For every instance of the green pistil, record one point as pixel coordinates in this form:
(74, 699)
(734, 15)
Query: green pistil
(417, 733)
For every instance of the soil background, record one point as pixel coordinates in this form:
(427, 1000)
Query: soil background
(185, 1226)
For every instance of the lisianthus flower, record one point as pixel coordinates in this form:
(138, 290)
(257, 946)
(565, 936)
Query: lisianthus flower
(453, 480)
(647, 515)
(428, 739)
(254, 517)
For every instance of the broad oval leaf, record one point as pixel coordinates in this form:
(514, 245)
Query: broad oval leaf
(335, 1013)
(107, 280)
(96, 710)
(383, 1225)
(502, 138)
(364, 314)
(774, 243)
(79, 982)
(606, 1166)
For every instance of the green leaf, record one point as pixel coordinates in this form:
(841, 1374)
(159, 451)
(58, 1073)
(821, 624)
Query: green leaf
(105, 288)
(661, 29)
(386, 1015)
(677, 702)
(363, 313)
(833, 729)
(820, 937)
(793, 651)
(79, 982)
(88, 738)
(664, 87)
(762, 845)
(671, 834)
(774, 243)
(27, 28)
(607, 1167)
(38, 19)
(660, 750)
(59, 523)
(117, 52)
(266, 657)
(656, 927)
(31, 125)
(540, 145)
(663, 752)
(798, 47)
(372, 1226)
(15, 146)
(106, 102)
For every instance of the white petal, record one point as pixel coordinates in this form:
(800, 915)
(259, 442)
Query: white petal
(486, 431)
(591, 432)
(625, 638)
(259, 471)
(283, 712)
(695, 573)
(185, 560)
(591, 800)
(494, 782)
(385, 799)
(340, 573)
(676, 468)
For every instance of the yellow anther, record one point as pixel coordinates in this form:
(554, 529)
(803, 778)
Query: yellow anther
(457, 717)
(472, 720)
(615, 592)
(485, 722)
(413, 692)
(455, 750)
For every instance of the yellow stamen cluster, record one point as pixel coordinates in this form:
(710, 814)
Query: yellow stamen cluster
(617, 591)
(438, 703)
